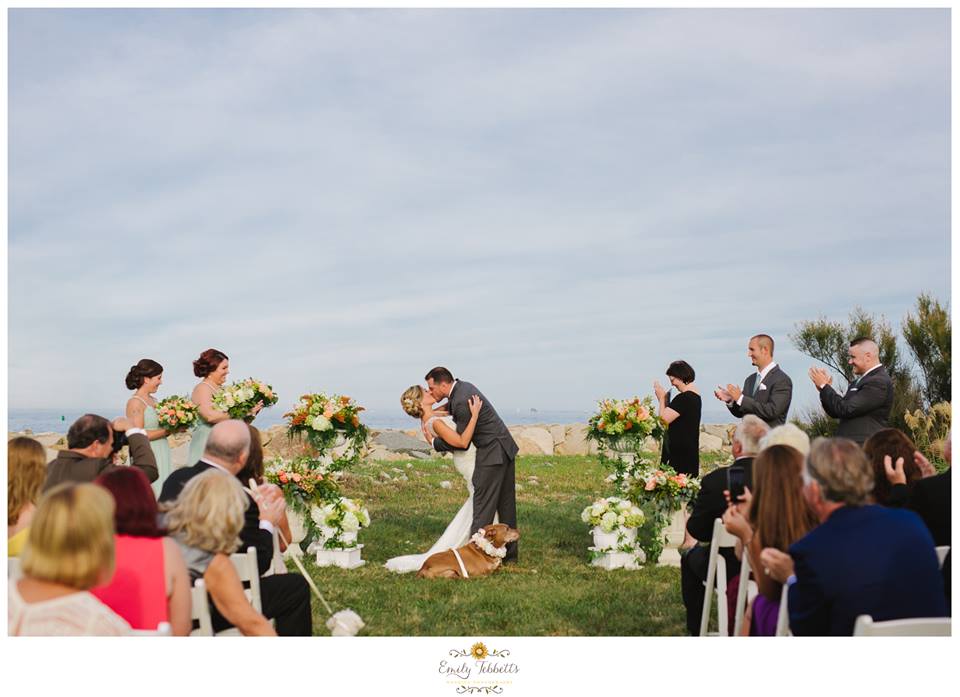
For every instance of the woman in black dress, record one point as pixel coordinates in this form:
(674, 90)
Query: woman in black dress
(681, 449)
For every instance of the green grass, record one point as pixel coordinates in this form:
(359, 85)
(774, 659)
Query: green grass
(552, 591)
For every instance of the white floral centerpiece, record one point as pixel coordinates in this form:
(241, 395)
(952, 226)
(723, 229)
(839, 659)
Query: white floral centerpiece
(614, 521)
(338, 523)
(328, 422)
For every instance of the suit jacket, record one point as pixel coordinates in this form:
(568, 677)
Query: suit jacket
(710, 503)
(495, 445)
(772, 400)
(930, 498)
(252, 535)
(865, 407)
(71, 466)
(864, 560)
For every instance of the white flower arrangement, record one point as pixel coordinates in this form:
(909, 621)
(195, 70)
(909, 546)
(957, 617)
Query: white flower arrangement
(611, 513)
(341, 516)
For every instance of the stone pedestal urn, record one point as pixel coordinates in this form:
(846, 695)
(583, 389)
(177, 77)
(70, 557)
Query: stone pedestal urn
(675, 534)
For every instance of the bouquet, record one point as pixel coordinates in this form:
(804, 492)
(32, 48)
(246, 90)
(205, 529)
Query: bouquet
(176, 413)
(324, 420)
(341, 516)
(239, 398)
(620, 421)
(612, 513)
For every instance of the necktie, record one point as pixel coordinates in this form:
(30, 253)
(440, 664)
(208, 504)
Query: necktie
(756, 385)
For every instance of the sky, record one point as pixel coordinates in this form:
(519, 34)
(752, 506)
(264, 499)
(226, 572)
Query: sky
(554, 204)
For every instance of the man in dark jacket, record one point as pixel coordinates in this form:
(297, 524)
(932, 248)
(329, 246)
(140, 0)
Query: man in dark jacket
(90, 451)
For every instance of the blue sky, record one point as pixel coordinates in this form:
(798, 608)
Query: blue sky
(554, 204)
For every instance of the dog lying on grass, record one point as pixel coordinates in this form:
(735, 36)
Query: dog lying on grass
(481, 556)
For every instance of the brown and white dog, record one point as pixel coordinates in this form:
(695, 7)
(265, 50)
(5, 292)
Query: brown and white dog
(471, 560)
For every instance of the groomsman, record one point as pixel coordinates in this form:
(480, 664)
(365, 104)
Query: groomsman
(766, 393)
(865, 407)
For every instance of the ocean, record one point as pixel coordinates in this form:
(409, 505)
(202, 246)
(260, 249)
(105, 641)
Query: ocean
(59, 420)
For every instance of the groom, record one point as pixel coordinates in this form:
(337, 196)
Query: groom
(494, 489)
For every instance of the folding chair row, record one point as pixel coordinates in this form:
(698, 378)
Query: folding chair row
(248, 571)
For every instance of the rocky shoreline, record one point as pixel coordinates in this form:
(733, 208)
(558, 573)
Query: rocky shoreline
(396, 444)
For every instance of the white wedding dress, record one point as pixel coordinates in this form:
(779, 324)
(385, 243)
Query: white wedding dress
(458, 531)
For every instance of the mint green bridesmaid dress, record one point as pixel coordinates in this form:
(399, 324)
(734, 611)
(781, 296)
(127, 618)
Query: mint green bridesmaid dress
(160, 447)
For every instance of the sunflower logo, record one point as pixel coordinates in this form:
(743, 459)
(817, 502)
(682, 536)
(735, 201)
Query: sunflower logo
(479, 651)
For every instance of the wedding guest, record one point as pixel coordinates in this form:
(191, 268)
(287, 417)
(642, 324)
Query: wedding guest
(145, 379)
(205, 521)
(70, 549)
(92, 449)
(681, 449)
(930, 498)
(773, 514)
(865, 407)
(253, 469)
(766, 393)
(285, 597)
(26, 471)
(710, 504)
(788, 434)
(862, 559)
(150, 584)
(894, 445)
(212, 367)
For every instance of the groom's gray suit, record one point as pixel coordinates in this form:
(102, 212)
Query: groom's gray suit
(494, 485)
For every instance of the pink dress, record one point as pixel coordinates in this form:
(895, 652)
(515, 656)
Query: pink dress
(138, 590)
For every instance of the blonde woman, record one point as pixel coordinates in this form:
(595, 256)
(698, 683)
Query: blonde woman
(69, 550)
(206, 520)
(26, 472)
(419, 403)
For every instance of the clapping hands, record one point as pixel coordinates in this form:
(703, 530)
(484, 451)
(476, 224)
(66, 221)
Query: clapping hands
(658, 390)
(270, 500)
(820, 377)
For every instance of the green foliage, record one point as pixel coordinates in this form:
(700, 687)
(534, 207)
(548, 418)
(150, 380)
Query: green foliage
(928, 336)
(552, 591)
(929, 432)
(815, 422)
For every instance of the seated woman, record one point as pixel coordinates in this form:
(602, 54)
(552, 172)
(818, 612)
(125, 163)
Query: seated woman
(69, 550)
(206, 520)
(253, 469)
(150, 584)
(889, 489)
(776, 515)
(26, 472)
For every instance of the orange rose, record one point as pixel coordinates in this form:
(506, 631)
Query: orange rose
(627, 426)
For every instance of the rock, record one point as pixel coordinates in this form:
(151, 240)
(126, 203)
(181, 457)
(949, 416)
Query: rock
(540, 438)
(446, 485)
(710, 443)
(575, 442)
(559, 434)
(718, 430)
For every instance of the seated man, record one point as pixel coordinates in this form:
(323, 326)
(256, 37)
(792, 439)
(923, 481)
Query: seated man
(862, 559)
(711, 503)
(90, 444)
(285, 597)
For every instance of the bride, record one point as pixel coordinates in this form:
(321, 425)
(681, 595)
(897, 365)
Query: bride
(418, 403)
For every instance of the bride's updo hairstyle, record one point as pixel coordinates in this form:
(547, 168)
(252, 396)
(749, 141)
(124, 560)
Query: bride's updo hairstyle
(145, 368)
(410, 401)
(208, 362)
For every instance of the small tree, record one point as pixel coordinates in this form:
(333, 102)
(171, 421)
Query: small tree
(928, 336)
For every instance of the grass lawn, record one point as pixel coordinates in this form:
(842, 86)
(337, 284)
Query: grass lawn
(552, 591)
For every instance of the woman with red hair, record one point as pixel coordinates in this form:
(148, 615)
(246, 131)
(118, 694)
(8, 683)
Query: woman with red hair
(150, 584)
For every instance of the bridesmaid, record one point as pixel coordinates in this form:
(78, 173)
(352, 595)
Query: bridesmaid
(213, 366)
(145, 378)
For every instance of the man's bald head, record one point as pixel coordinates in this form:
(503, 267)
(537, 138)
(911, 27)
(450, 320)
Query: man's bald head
(229, 444)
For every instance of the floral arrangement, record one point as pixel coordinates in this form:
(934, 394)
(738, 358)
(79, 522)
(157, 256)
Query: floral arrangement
(325, 421)
(611, 513)
(304, 482)
(239, 398)
(660, 492)
(341, 516)
(624, 423)
(176, 413)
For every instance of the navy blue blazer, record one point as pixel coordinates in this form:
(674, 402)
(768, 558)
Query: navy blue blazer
(866, 560)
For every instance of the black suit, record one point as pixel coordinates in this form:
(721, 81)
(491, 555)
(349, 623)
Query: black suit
(494, 485)
(709, 505)
(865, 407)
(285, 597)
(771, 401)
(930, 498)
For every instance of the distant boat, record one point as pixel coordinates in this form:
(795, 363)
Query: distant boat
(532, 410)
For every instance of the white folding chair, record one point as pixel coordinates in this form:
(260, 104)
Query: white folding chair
(163, 629)
(742, 593)
(918, 626)
(246, 565)
(716, 575)
(200, 609)
(942, 552)
(783, 617)
(13, 568)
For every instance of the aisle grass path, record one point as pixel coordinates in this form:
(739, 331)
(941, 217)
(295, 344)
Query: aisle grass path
(551, 592)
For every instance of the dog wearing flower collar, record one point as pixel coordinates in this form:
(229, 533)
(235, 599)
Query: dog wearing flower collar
(481, 556)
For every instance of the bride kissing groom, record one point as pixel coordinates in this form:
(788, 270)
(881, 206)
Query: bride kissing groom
(484, 453)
